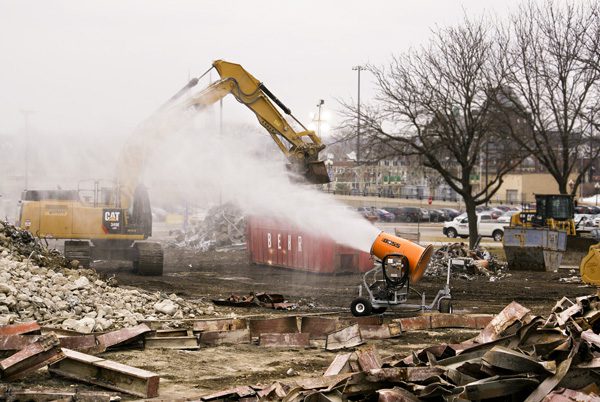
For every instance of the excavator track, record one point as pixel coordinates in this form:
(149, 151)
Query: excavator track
(148, 258)
(78, 250)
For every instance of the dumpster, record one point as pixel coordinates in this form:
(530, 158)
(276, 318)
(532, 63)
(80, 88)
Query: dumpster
(534, 249)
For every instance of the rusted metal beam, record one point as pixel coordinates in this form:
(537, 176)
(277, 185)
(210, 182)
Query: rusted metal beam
(403, 374)
(508, 359)
(171, 342)
(16, 342)
(44, 351)
(225, 337)
(122, 336)
(224, 324)
(106, 373)
(31, 327)
(280, 325)
(384, 331)
(46, 395)
(339, 365)
(508, 316)
(232, 393)
(368, 358)
(295, 340)
(344, 338)
(170, 333)
(318, 327)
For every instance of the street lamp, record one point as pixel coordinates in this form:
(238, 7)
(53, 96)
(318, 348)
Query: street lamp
(359, 69)
(321, 102)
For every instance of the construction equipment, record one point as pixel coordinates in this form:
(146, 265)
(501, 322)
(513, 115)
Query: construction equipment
(537, 239)
(112, 221)
(402, 262)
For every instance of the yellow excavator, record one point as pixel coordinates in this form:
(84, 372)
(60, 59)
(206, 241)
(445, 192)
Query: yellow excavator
(113, 222)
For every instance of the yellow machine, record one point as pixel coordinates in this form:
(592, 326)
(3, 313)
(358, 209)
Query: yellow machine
(112, 222)
(553, 211)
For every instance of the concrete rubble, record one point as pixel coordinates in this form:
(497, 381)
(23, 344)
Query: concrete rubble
(223, 227)
(479, 263)
(37, 283)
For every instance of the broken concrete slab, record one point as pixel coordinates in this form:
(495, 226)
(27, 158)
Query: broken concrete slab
(225, 337)
(106, 373)
(348, 337)
(280, 325)
(46, 350)
(295, 340)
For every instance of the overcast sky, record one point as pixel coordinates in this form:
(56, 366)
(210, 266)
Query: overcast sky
(98, 68)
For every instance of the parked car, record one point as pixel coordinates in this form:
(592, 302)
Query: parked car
(384, 215)
(438, 215)
(486, 227)
(452, 213)
(424, 215)
(506, 217)
(368, 213)
(408, 214)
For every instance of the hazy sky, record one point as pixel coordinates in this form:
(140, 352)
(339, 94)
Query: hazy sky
(99, 67)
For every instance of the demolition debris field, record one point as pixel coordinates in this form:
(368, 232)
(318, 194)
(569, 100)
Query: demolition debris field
(192, 279)
(215, 275)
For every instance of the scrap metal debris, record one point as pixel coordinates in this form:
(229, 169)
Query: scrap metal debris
(267, 300)
(517, 357)
(223, 227)
(480, 263)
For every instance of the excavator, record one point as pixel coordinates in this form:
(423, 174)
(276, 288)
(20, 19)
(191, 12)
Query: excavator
(114, 221)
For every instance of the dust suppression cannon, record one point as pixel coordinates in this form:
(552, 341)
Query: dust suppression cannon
(400, 263)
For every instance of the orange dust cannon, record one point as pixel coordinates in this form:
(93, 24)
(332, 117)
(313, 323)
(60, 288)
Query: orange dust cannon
(400, 263)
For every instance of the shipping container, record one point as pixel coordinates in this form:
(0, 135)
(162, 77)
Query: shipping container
(281, 244)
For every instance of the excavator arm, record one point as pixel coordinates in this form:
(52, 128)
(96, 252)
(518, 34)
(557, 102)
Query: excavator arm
(300, 147)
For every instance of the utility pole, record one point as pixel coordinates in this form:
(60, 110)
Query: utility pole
(321, 102)
(359, 69)
(26, 114)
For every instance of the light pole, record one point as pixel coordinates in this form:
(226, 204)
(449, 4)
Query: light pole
(321, 102)
(358, 69)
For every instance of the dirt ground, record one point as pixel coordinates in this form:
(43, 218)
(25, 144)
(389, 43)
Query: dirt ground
(219, 274)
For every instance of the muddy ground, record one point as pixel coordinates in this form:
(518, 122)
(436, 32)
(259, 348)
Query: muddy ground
(217, 275)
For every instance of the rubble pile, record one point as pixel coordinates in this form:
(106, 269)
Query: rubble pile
(518, 356)
(223, 226)
(21, 245)
(40, 284)
(478, 262)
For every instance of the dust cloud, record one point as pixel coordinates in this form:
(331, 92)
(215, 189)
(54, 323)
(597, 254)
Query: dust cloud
(204, 165)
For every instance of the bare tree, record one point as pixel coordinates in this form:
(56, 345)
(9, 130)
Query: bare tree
(434, 101)
(553, 58)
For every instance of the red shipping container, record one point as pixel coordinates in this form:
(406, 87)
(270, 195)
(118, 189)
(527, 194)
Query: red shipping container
(281, 244)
